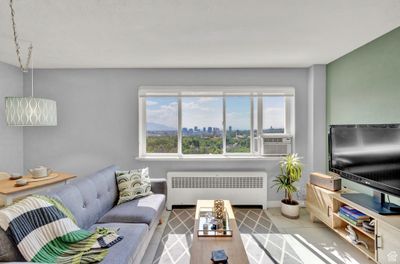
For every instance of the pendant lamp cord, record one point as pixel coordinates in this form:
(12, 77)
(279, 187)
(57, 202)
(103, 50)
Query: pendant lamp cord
(24, 68)
(32, 72)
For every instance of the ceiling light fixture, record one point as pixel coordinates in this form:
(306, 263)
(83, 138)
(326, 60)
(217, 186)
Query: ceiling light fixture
(28, 111)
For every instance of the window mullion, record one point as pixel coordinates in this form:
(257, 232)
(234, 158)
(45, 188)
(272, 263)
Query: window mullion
(224, 125)
(260, 124)
(287, 115)
(179, 125)
(143, 128)
(252, 124)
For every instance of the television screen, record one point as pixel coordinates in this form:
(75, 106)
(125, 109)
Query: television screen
(367, 154)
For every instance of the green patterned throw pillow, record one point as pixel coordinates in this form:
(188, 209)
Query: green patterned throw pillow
(133, 184)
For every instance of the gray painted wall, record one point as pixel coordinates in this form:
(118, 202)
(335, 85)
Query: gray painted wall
(11, 138)
(98, 117)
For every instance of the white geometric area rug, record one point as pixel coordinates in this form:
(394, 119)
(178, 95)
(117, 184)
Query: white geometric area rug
(262, 240)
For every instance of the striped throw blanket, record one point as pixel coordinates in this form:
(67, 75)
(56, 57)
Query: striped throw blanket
(45, 231)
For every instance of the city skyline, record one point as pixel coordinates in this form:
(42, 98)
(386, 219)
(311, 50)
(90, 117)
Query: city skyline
(207, 112)
(209, 130)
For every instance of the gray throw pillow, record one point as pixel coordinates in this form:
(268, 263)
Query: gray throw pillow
(133, 184)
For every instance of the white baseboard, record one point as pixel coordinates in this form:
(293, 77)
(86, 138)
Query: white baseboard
(272, 204)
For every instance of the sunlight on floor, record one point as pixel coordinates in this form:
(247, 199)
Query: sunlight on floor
(268, 238)
(314, 242)
(309, 253)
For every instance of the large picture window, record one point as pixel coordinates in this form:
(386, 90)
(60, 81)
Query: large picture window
(212, 123)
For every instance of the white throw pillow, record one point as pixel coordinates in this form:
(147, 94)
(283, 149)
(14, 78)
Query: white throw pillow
(133, 184)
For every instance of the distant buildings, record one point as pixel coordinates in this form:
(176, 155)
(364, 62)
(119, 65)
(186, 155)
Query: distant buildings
(272, 130)
(216, 130)
(212, 131)
(195, 131)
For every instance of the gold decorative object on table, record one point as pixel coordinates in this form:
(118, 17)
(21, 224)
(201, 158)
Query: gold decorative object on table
(220, 214)
(219, 209)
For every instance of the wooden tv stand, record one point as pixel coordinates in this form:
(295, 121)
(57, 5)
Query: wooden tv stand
(383, 244)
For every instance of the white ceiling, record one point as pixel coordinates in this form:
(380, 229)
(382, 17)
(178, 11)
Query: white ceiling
(193, 33)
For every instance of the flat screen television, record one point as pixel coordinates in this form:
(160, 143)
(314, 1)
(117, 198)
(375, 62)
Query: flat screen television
(369, 155)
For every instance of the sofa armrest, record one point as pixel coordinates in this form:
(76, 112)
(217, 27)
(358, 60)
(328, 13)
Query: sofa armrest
(159, 185)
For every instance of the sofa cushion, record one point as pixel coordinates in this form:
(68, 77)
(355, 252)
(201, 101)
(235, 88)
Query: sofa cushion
(89, 197)
(144, 210)
(126, 250)
(133, 184)
(8, 249)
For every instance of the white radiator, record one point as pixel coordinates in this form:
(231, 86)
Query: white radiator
(241, 188)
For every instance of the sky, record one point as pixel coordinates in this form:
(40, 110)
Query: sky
(238, 113)
(202, 112)
(162, 110)
(274, 114)
(207, 111)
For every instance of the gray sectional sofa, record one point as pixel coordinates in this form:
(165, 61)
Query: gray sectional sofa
(92, 200)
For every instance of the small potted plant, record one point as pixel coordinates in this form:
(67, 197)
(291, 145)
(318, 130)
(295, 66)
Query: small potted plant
(290, 172)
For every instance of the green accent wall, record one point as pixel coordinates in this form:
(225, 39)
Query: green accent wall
(364, 86)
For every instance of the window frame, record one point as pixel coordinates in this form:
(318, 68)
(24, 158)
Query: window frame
(255, 93)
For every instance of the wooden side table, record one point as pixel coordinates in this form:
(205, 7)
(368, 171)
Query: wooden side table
(8, 190)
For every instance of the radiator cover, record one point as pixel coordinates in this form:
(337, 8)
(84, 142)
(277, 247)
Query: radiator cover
(241, 188)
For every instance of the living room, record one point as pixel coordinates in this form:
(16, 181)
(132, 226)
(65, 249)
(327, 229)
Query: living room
(129, 119)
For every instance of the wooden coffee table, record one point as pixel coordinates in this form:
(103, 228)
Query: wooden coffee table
(200, 253)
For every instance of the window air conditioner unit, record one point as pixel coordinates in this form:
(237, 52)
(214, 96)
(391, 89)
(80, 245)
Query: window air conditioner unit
(277, 145)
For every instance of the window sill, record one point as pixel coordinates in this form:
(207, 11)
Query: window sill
(206, 158)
